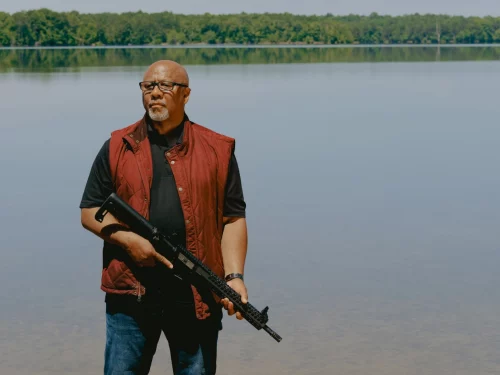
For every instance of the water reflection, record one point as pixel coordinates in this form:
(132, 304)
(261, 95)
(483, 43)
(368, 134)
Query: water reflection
(47, 60)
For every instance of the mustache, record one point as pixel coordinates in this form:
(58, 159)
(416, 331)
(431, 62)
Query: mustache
(162, 102)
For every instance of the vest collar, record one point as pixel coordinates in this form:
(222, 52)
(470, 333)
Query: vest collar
(184, 146)
(139, 132)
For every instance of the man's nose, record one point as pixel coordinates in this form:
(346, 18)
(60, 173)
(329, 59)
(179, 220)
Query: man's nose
(156, 93)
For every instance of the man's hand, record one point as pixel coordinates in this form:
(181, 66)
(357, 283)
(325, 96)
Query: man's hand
(239, 287)
(143, 253)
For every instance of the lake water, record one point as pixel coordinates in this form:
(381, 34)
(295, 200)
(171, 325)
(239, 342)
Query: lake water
(373, 195)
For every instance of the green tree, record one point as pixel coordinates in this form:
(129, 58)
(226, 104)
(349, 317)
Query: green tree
(7, 29)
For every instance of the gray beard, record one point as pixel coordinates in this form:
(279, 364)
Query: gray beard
(159, 116)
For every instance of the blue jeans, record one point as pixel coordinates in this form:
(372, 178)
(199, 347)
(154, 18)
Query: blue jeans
(132, 337)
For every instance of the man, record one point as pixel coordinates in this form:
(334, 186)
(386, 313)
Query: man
(184, 179)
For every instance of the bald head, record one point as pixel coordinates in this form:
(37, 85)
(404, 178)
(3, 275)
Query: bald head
(166, 70)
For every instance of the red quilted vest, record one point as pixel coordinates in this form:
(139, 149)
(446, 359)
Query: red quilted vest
(200, 168)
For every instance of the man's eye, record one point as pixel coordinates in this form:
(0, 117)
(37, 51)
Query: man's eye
(166, 86)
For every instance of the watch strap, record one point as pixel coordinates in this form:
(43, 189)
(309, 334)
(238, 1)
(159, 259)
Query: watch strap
(232, 276)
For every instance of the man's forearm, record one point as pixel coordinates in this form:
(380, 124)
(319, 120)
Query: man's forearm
(234, 245)
(109, 230)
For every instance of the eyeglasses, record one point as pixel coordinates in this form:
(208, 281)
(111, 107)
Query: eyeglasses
(164, 86)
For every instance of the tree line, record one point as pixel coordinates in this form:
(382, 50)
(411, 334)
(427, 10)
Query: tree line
(44, 27)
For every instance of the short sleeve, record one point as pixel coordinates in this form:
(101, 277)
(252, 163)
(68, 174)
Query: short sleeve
(99, 183)
(234, 202)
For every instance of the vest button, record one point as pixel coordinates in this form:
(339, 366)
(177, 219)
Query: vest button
(168, 153)
(172, 162)
(187, 221)
(180, 189)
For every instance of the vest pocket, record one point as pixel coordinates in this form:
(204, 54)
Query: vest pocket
(117, 276)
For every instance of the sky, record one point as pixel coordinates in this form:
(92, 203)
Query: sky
(393, 7)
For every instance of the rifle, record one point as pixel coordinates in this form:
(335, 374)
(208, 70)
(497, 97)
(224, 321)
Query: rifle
(184, 262)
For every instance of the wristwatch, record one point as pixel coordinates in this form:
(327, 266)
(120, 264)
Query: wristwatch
(232, 276)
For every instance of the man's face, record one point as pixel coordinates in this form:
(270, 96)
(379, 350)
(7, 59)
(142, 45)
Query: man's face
(163, 104)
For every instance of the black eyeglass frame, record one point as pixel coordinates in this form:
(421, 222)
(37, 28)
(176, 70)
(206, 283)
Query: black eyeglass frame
(155, 84)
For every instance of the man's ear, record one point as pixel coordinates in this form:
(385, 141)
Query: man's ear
(187, 93)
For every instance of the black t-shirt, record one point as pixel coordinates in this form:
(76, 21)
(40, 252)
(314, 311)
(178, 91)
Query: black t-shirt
(165, 211)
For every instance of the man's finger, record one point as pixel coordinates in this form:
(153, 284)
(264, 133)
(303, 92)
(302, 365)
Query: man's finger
(244, 297)
(230, 308)
(239, 316)
(163, 260)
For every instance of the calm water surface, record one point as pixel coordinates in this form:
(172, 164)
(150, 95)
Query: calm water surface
(373, 194)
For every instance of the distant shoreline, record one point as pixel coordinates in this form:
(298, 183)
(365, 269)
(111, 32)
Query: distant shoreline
(259, 46)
